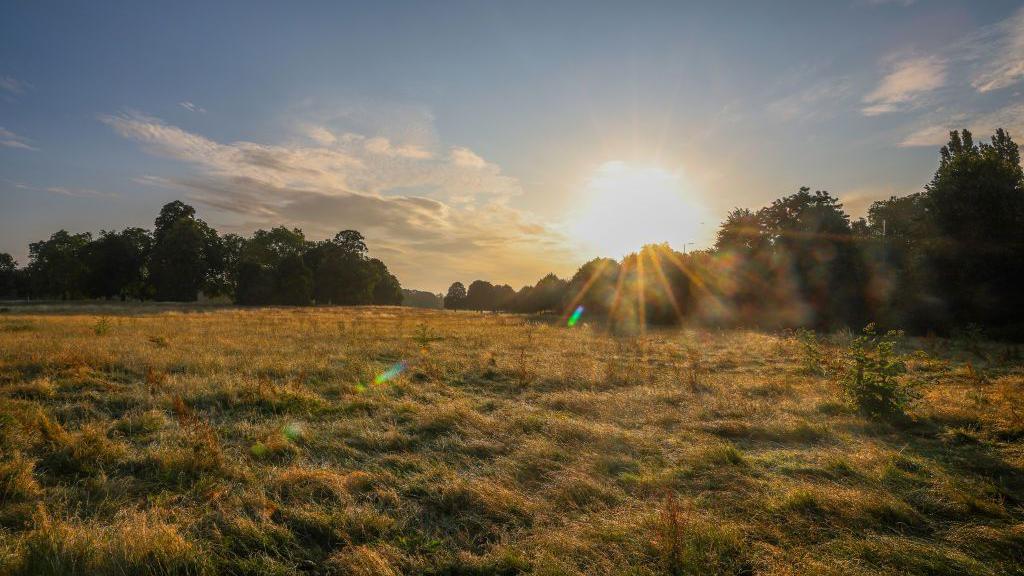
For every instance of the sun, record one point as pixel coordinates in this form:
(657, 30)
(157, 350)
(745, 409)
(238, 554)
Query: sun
(626, 206)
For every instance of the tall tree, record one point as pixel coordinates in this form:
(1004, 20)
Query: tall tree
(386, 289)
(593, 285)
(57, 267)
(456, 296)
(342, 272)
(117, 264)
(272, 269)
(187, 255)
(8, 276)
(480, 296)
(977, 201)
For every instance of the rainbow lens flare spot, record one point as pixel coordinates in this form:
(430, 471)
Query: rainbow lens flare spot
(390, 374)
(575, 316)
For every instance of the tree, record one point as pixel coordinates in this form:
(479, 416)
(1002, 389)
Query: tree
(503, 296)
(57, 267)
(456, 296)
(422, 299)
(293, 282)
(351, 242)
(8, 277)
(116, 263)
(342, 273)
(272, 269)
(386, 289)
(169, 214)
(976, 199)
(593, 286)
(480, 296)
(548, 295)
(811, 236)
(187, 255)
(231, 258)
(178, 266)
(740, 232)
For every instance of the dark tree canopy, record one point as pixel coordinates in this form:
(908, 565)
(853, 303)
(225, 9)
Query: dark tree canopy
(456, 296)
(116, 264)
(8, 277)
(184, 257)
(57, 266)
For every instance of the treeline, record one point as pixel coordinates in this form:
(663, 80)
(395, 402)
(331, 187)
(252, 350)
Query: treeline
(184, 257)
(422, 299)
(947, 258)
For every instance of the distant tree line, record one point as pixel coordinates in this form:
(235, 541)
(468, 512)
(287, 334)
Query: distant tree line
(943, 259)
(422, 299)
(184, 257)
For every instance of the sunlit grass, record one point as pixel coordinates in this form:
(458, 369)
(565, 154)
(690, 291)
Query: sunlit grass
(393, 441)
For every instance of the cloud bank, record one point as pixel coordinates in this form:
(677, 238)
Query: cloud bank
(434, 216)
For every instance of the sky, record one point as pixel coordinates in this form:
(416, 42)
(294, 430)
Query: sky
(485, 140)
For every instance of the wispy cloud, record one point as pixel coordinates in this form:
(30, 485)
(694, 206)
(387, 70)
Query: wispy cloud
(9, 139)
(818, 100)
(63, 191)
(192, 107)
(320, 135)
(935, 130)
(12, 85)
(908, 79)
(1002, 62)
(903, 3)
(416, 206)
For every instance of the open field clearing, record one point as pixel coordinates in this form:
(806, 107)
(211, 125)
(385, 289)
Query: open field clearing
(148, 440)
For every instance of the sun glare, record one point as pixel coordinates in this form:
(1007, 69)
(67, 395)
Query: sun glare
(627, 206)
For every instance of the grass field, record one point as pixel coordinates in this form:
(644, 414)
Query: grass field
(372, 441)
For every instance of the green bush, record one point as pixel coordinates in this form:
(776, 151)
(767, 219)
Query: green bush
(813, 358)
(873, 380)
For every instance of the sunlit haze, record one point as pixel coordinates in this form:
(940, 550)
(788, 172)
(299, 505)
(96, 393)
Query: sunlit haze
(623, 207)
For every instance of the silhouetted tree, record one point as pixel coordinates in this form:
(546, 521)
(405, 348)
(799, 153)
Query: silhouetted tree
(57, 267)
(272, 270)
(341, 271)
(386, 289)
(456, 296)
(421, 299)
(977, 201)
(479, 296)
(548, 295)
(187, 255)
(117, 264)
(293, 282)
(593, 286)
(8, 277)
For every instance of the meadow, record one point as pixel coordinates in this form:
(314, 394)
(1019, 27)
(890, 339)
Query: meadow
(381, 440)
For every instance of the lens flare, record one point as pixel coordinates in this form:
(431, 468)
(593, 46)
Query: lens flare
(391, 373)
(575, 316)
(292, 431)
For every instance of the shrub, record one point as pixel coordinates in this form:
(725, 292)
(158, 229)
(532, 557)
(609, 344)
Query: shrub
(873, 377)
(813, 359)
(101, 327)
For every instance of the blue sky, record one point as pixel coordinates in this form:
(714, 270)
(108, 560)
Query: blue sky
(470, 139)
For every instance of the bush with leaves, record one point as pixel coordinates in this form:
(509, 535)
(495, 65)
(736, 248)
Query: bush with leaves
(813, 358)
(874, 377)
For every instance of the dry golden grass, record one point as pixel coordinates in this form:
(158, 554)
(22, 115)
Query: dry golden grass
(176, 440)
